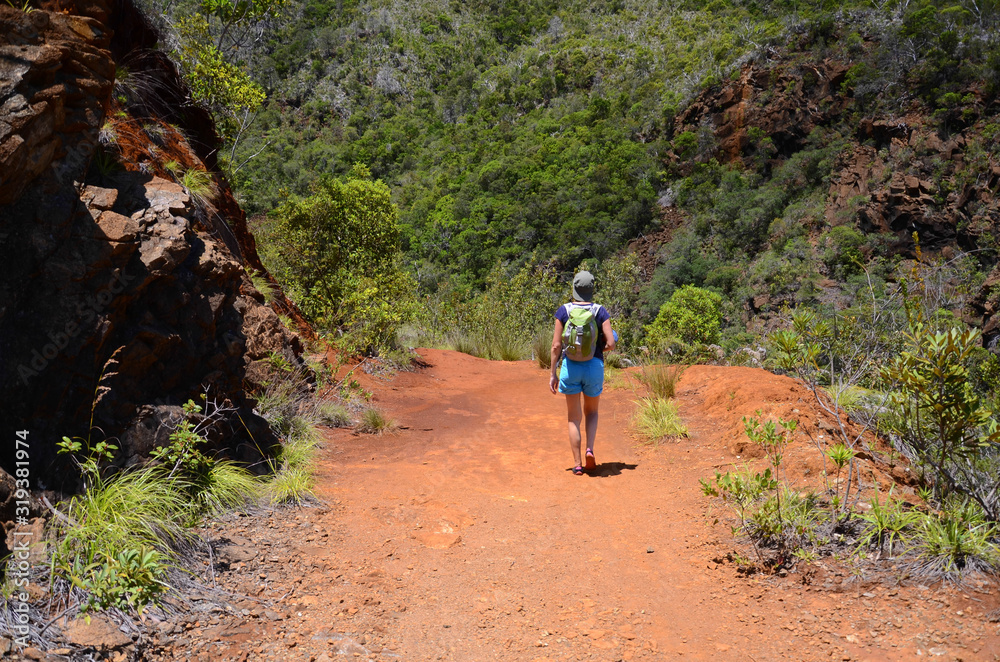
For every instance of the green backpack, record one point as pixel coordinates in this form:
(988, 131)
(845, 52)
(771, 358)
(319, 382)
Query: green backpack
(579, 337)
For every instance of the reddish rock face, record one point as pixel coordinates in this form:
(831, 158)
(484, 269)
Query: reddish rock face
(113, 277)
(786, 105)
(56, 75)
(786, 101)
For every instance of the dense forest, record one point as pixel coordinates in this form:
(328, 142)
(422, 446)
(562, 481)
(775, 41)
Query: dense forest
(557, 132)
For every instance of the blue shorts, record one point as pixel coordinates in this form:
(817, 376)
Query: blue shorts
(585, 376)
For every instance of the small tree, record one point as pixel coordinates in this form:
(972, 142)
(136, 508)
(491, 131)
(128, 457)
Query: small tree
(692, 315)
(944, 419)
(337, 253)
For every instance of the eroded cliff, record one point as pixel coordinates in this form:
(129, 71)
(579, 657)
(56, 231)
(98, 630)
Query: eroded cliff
(124, 294)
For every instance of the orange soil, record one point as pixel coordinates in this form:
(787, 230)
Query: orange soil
(466, 537)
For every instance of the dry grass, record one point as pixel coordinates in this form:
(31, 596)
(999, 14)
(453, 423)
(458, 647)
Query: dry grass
(375, 422)
(657, 419)
(661, 380)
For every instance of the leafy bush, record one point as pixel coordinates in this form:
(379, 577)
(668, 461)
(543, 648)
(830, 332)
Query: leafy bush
(337, 255)
(692, 315)
(507, 320)
(943, 419)
(841, 252)
(207, 40)
(742, 491)
(129, 579)
(786, 518)
(617, 285)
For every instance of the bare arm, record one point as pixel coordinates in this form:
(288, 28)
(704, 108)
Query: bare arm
(556, 352)
(609, 336)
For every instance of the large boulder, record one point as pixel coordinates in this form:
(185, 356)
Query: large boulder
(122, 297)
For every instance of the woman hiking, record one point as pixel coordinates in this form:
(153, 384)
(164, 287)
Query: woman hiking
(581, 336)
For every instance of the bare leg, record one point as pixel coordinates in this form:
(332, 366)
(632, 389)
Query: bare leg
(590, 413)
(574, 414)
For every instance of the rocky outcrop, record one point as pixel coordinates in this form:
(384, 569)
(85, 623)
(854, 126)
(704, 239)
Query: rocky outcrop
(900, 203)
(123, 295)
(785, 104)
(986, 307)
(56, 76)
(896, 177)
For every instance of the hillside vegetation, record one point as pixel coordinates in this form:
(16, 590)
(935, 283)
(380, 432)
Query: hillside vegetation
(508, 131)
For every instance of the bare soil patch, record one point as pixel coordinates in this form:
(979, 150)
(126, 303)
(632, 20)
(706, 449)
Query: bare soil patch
(465, 536)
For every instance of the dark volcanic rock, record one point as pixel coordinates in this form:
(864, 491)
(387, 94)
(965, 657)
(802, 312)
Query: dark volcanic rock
(120, 299)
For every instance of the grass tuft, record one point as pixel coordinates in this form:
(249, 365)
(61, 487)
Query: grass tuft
(265, 287)
(461, 342)
(292, 485)
(375, 422)
(661, 380)
(541, 346)
(617, 378)
(849, 398)
(333, 415)
(293, 480)
(498, 347)
(200, 186)
(658, 419)
(131, 509)
(229, 487)
(956, 543)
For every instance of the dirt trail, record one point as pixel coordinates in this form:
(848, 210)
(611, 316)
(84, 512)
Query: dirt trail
(466, 537)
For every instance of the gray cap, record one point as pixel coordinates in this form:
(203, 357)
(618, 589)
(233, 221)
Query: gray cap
(583, 286)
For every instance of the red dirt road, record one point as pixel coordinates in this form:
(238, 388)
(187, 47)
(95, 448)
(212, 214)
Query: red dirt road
(483, 546)
(466, 537)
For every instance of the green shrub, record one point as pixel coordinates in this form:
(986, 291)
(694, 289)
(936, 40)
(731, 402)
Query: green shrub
(337, 255)
(618, 282)
(942, 418)
(841, 251)
(129, 579)
(692, 315)
(741, 491)
(498, 324)
(786, 518)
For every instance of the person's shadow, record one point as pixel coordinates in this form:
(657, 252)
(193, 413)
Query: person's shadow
(606, 469)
